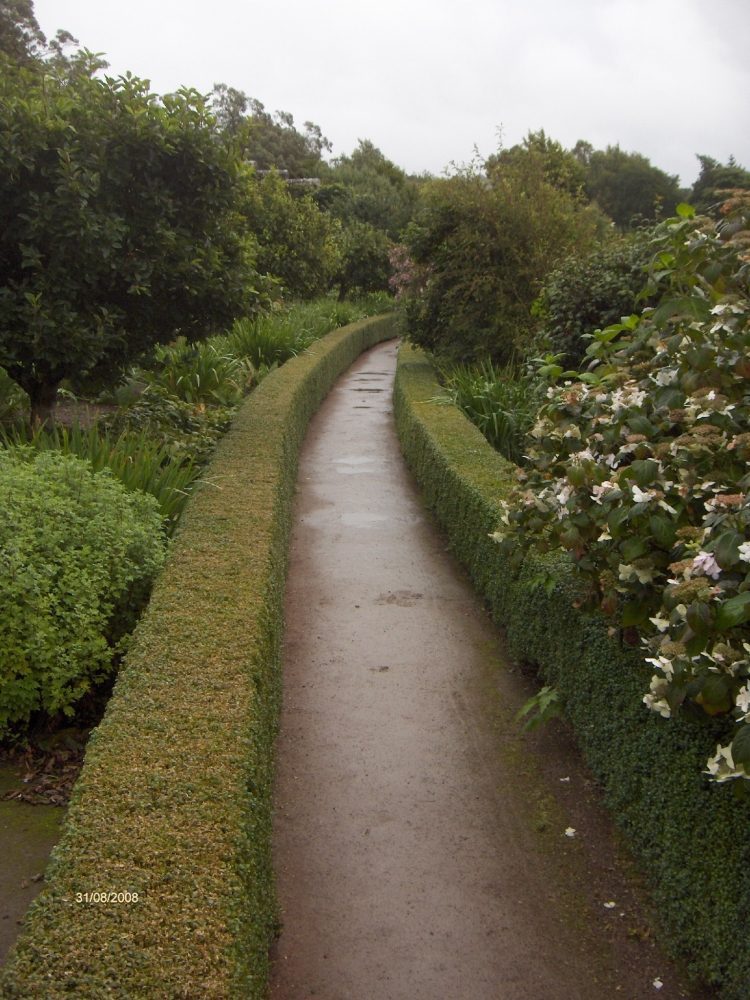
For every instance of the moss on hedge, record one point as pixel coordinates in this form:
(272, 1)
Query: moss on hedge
(174, 801)
(691, 837)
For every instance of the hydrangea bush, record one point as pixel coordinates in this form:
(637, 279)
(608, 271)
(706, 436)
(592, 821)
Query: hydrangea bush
(638, 467)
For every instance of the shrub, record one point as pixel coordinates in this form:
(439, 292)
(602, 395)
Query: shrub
(200, 372)
(135, 458)
(640, 471)
(77, 555)
(502, 403)
(482, 246)
(590, 291)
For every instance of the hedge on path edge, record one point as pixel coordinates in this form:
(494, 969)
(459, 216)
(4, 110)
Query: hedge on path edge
(690, 837)
(174, 801)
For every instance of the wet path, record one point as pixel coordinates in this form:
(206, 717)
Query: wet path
(411, 859)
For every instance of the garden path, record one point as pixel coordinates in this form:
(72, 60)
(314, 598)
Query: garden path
(420, 842)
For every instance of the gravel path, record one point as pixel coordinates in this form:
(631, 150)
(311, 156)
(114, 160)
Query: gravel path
(419, 839)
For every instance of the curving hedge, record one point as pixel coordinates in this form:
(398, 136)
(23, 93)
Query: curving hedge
(691, 837)
(174, 801)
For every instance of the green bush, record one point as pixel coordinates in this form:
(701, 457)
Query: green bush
(587, 292)
(200, 372)
(689, 837)
(502, 402)
(639, 469)
(135, 457)
(483, 245)
(77, 555)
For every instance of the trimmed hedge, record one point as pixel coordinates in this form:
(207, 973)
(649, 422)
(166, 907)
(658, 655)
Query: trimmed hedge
(691, 837)
(174, 801)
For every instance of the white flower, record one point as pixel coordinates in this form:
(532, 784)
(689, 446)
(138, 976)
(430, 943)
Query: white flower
(667, 376)
(705, 564)
(744, 552)
(642, 496)
(600, 489)
(609, 905)
(655, 699)
(721, 766)
(570, 832)
(662, 624)
(662, 663)
(657, 984)
(743, 701)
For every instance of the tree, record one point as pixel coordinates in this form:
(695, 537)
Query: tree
(714, 179)
(269, 141)
(482, 246)
(368, 187)
(365, 262)
(297, 243)
(118, 225)
(627, 187)
(560, 167)
(21, 38)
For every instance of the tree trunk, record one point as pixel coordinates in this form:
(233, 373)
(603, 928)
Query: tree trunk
(42, 398)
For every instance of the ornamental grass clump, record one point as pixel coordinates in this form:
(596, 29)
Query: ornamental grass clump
(78, 553)
(639, 468)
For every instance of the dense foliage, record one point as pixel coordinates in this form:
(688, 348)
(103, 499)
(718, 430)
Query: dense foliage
(77, 554)
(589, 291)
(481, 246)
(118, 225)
(640, 470)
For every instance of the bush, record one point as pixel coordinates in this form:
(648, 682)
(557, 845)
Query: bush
(482, 246)
(590, 291)
(77, 556)
(200, 372)
(502, 403)
(640, 471)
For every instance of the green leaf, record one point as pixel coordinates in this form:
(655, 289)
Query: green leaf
(715, 694)
(644, 472)
(685, 211)
(633, 548)
(635, 613)
(663, 530)
(741, 747)
(699, 617)
(726, 548)
(733, 612)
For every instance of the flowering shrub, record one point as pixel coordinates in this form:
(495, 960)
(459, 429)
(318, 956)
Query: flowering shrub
(639, 468)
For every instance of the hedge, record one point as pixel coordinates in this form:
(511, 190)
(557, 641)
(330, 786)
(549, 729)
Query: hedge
(690, 837)
(174, 801)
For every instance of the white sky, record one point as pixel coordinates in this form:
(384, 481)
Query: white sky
(427, 80)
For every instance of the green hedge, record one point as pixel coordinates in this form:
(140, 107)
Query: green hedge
(691, 837)
(174, 801)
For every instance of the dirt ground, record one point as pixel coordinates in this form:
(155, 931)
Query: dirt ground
(425, 848)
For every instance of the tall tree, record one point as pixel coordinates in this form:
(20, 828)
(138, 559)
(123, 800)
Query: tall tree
(118, 225)
(715, 178)
(628, 187)
(21, 38)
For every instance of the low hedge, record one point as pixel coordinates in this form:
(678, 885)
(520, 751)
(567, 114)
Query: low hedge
(691, 837)
(174, 801)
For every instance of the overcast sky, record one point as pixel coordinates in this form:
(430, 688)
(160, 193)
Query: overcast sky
(427, 80)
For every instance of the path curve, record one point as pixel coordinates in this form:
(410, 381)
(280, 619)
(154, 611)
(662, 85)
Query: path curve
(407, 848)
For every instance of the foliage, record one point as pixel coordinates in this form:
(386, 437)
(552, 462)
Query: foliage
(14, 403)
(369, 188)
(64, 601)
(136, 459)
(269, 141)
(502, 403)
(561, 167)
(118, 225)
(587, 292)
(714, 181)
(626, 185)
(365, 261)
(297, 243)
(482, 246)
(639, 468)
(21, 38)
(200, 372)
